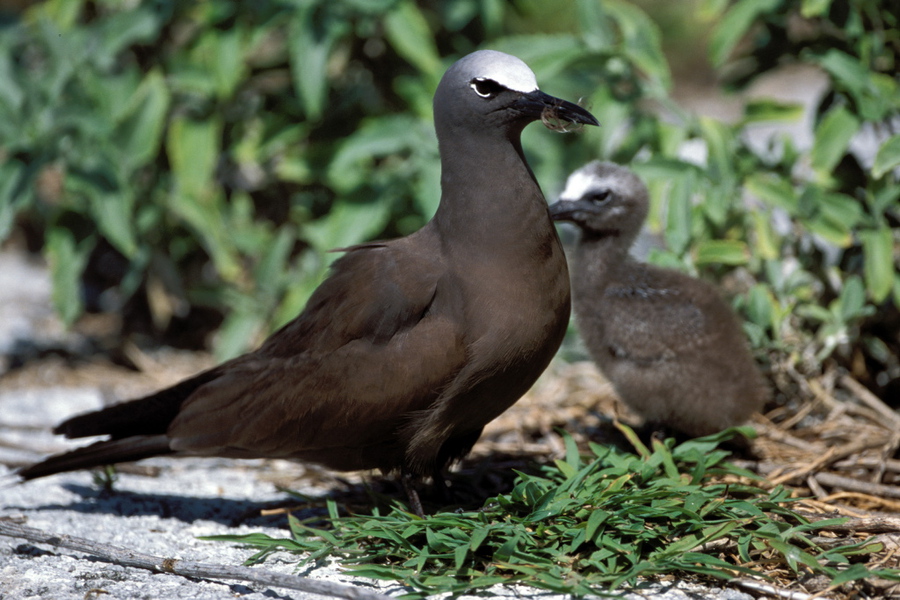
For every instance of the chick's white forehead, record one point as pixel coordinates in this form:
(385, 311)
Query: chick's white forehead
(505, 69)
(582, 181)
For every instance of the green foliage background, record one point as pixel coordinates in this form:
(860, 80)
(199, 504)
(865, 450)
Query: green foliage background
(193, 162)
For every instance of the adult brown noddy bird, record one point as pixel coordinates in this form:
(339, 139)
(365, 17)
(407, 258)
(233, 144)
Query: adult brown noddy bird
(671, 347)
(410, 346)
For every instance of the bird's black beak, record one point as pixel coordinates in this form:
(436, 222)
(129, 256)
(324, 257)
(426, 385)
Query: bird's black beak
(539, 105)
(567, 210)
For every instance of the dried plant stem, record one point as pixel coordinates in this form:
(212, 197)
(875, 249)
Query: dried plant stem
(771, 590)
(855, 485)
(871, 400)
(158, 564)
(865, 525)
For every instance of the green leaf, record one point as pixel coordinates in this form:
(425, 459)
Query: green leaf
(832, 137)
(193, 150)
(11, 94)
(595, 27)
(311, 37)
(504, 552)
(768, 110)
(853, 573)
(852, 299)
(640, 41)
(227, 63)
(14, 194)
(122, 29)
(767, 245)
(734, 25)
(814, 8)
(760, 302)
(351, 166)
(834, 215)
(633, 438)
(114, 213)
(888, 157)
(477, 538)
(64, 13)
(597, 518)
(794, 555)
(773, 190)
(678, 214)
(140, 132)
(723, 252)
(273, 264)
(459, 555)
(347, 224)
(67, 261)
(847, 70)
(875, 93)
(719, 139)
(205, 216)
(408, 32)
(878, 248)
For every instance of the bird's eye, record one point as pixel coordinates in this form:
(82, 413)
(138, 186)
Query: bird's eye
(598, 196)
(486, 88)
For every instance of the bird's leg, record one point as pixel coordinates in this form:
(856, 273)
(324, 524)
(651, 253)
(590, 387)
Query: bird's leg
(412, 494)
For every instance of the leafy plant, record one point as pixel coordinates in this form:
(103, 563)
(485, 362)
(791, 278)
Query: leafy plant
(185, 163)
(811, 232)
(190, 165)
(586, 525)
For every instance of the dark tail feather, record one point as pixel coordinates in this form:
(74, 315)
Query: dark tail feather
(150, 415)
(99, 454)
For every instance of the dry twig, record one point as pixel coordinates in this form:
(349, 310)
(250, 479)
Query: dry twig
(871, 400)
(855, 485)
(158, 564)
(882, 524)
(771, 590)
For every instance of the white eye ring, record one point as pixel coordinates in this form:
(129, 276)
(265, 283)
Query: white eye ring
(485, 87)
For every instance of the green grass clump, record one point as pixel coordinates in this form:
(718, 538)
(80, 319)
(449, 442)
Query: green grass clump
(585, 525)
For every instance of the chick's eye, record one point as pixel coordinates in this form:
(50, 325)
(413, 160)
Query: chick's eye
(486, 88)
(599, 196)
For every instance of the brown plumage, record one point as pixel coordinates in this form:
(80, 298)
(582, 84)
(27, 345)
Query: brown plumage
(410, 346)
(671, 347)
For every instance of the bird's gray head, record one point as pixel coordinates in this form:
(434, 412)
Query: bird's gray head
(604, 199)
(492, 91)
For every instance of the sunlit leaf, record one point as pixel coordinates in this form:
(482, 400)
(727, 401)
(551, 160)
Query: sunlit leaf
(734, 25)
(879, 269)
(641, 41)
(832, 137)
(409, 34)
(767, 110)
(193, 149)
(814, 8)
(723, 252)
(140, 133)
(348, 223)
(888, 157)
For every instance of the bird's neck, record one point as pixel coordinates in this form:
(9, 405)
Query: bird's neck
(598, 261)
(489, 195)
